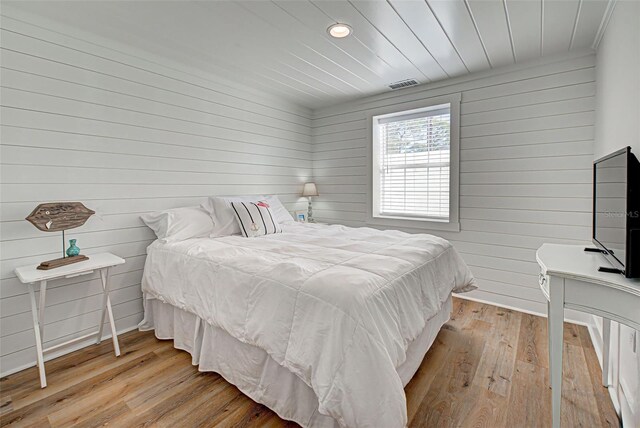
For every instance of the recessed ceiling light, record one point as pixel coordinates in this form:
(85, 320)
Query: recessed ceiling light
(339, 30)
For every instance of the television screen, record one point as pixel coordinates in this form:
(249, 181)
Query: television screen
(610, 205)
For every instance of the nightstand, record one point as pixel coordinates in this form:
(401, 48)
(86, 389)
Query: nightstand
(30, 275)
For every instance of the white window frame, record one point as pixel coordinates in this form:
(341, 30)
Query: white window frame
(453, 223)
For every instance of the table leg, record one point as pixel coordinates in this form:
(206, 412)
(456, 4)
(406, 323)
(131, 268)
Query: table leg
(606, 332)
(106, 308)
(549, 324)
(37, 329)
(103, 310)
(556, 291)
(43, 294)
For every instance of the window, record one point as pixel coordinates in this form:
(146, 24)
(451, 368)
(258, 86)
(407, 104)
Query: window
(414, 158)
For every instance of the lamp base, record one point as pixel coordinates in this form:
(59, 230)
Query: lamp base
(310, 211)
(63, 261)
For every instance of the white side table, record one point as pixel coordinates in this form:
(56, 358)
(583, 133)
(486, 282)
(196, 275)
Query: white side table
(569, 278)
(30, 275)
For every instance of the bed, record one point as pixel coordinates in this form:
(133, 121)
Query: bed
(323, 324)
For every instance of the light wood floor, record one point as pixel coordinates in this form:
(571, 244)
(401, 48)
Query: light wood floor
(487, 368)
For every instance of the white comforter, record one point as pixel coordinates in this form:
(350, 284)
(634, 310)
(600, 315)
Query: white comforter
(337, 306)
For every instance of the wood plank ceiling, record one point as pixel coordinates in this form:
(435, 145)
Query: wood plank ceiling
(282, 46)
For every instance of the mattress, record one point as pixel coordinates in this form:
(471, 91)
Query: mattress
(251, 369)
(335, 306)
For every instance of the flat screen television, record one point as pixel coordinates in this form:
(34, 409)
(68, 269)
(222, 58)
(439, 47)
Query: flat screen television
(616, 210)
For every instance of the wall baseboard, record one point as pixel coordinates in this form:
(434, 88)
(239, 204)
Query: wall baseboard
(571, 316)
(66, 350)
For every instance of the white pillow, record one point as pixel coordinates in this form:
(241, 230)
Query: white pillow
(279, 211)
(224, 219)
(178, 224)
(255, 219)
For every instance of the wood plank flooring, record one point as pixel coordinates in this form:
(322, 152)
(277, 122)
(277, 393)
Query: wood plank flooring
(487, 368)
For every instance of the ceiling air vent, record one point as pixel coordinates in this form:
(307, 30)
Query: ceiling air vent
(403, 84)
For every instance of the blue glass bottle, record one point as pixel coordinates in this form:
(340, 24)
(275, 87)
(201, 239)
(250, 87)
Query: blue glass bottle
(73, 250)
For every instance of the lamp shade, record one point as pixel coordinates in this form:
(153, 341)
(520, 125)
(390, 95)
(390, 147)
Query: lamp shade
(310, 189)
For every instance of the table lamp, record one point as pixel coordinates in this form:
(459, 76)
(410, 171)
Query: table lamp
(58, 217)
(308, 191)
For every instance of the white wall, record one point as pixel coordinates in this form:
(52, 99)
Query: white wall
(126, 133)
(618, 82)
(617, 126)
(526, 157)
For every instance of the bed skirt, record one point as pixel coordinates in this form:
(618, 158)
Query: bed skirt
(252, 370)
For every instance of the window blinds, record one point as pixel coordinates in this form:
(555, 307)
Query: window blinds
(414, 164)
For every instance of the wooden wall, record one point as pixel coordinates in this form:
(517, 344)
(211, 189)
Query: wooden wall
(526, 152)
(617, 126)
(125, 133)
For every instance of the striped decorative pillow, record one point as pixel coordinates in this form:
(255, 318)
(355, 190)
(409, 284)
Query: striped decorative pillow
(255, 218)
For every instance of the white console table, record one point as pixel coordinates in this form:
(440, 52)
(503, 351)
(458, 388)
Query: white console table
(569, 278)
(31, 274)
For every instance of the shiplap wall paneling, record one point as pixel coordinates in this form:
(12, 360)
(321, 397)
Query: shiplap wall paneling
(427, 40)
(125, 134)
(525, 161)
